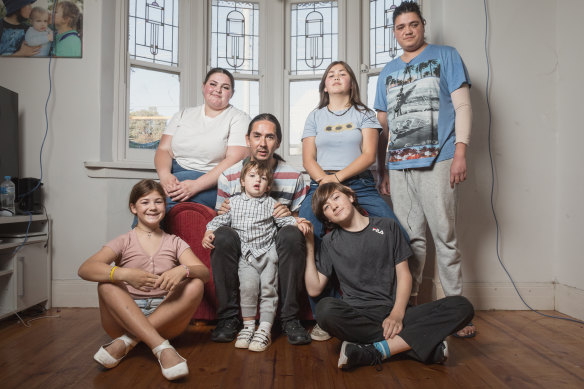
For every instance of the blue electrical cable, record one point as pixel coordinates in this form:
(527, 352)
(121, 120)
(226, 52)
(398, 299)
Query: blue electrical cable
(493, 180)
(36, 187)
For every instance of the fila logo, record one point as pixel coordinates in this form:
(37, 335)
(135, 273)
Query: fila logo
(380, 232)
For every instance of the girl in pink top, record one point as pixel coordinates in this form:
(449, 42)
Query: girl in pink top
(149, 266)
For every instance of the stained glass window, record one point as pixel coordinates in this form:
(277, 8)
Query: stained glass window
(383, 46)
(153, 31)
(235, 36)
(314, 36)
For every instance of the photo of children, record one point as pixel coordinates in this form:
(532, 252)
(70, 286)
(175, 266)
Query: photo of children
(41, 28)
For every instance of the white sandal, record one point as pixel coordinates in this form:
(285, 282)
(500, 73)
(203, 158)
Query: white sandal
(103, 357)
(177, 371)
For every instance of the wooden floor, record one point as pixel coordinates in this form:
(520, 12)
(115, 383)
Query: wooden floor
(514, 349)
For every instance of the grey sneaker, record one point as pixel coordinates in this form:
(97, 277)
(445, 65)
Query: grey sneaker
(319, 334)
(354, 354)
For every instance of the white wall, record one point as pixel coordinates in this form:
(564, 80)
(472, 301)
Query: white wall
(535, 136)
(569, 210)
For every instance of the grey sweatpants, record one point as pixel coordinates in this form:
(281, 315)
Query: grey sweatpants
(424, 195)
(255, 275)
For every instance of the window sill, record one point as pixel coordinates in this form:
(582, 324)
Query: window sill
(136, 170)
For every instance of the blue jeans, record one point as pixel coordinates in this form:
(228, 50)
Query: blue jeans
(369, 199)
(148, 305)
(207, 197)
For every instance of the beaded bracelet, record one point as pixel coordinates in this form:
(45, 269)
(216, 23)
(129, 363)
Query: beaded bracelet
(337, 177)
(112, 273)
(188, 271)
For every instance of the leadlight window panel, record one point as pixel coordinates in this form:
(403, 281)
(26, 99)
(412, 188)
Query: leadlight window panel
(304, 98)
(371, 90)
(154, 98)
(235, 36)
(383, 46)
(246, 96)
(153, 31)
(314, 37)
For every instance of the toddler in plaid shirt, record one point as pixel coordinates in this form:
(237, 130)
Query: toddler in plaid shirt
(251, 216)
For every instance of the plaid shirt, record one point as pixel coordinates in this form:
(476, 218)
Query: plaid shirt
(253, 221)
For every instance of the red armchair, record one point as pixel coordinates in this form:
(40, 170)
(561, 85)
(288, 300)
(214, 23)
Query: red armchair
(189, 221)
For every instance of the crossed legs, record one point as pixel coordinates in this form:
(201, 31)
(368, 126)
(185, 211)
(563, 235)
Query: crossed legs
(120, 315)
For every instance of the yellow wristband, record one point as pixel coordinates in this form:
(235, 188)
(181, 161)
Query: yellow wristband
(112, 273)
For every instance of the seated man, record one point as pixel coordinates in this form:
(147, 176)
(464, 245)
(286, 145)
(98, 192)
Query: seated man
(369, 256)
(263, 137)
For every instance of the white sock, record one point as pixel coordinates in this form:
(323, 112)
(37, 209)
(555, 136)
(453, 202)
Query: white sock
(266, 326)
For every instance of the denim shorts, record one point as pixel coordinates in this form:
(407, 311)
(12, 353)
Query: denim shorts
(148, 305)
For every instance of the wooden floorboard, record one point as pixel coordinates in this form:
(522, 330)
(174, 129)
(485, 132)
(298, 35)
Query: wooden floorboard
(513, 349)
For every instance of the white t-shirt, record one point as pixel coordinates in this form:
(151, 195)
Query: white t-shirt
(200, 142)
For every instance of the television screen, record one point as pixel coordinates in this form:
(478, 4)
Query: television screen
(8, 133)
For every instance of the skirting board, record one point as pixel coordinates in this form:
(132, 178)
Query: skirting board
(484, 296)
(502, 295)
(570, 301)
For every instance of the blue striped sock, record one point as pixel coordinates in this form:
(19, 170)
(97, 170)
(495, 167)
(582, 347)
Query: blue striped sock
(383, 348)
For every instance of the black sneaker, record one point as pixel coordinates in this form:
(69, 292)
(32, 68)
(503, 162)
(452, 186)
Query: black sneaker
(354, 354)
(226, 330)
(296, 333)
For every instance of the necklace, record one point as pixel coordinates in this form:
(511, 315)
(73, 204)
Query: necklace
(339, 114)
(146, 231)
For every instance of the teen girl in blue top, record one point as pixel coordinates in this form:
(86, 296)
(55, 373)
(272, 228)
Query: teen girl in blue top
(339, 143)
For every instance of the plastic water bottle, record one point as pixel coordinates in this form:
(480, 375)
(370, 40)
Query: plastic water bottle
(7, 194)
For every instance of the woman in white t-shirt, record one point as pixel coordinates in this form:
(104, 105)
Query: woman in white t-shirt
(200, 142)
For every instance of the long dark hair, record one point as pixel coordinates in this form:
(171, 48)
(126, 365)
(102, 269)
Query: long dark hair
(355, 96)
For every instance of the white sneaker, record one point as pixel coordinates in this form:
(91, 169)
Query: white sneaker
(244, 337)
(261, 340)
(319, 334)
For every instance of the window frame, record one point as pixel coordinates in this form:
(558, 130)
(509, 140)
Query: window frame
(274, 66)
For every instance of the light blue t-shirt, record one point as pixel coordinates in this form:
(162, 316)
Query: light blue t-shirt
(420, 114)
(338, 137)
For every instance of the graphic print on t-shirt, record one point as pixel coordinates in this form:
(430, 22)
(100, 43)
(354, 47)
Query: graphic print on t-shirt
(413, 103)
(339, 127)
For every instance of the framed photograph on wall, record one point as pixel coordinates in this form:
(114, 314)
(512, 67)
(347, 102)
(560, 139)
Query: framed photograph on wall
(41, 28)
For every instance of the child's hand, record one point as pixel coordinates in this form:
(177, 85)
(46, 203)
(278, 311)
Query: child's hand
(50, 34)
(392, 325)
(208, 240)
(304, 226)
(138, 278)
(225, 207)
(280, 210)
(170, 278)
(307, 229)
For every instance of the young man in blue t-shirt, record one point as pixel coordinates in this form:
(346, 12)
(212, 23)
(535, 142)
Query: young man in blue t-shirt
(423, 105)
